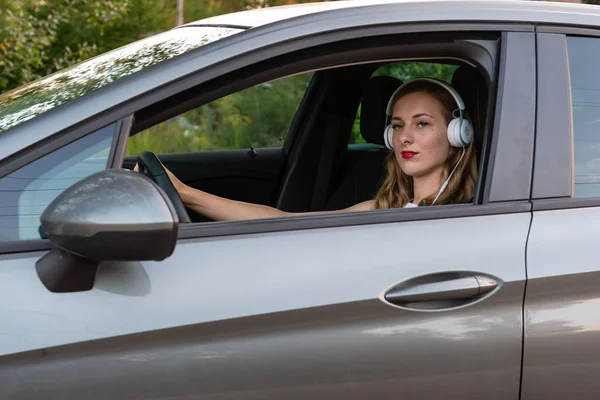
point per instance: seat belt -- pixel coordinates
(326, 162)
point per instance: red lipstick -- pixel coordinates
(409, 154)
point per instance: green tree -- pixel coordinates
(37, 37)
(199, 9)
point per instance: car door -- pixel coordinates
(415, 303)
(561, 357)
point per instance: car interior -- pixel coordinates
(317, 166)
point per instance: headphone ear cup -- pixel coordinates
(459, 134)
(388, 135)
(466, 132)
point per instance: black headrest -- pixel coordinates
(471, 86)
(375, 95)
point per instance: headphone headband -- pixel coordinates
(450, 89)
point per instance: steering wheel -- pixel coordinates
(151, 167)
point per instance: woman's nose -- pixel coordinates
(405, 135)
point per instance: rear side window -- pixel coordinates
(26, 192)
(584, 59)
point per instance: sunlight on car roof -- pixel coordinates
(37, 97)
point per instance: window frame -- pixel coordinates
(553, 180)
(501, 196)
(508, 188)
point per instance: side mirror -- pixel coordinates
(112, 215)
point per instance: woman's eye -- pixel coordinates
(422, 124)
(397, 126)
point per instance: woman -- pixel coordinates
(432, 161)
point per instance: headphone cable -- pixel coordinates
(447, 180)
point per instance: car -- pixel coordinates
(111, 289)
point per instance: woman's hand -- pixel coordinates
(179, 186)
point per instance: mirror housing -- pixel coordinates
(112, 215)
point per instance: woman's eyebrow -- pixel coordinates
(414, 116)
(422, 114)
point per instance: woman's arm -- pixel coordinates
(221, 209)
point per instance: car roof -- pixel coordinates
(466, 8)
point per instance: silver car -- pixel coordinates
(111, 289)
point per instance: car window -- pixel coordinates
(26, 192)
(404, 71)
(258, 117)
(584, 58)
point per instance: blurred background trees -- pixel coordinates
(38, 37)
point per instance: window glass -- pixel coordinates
(26, 192)
(404, 71)
(584, 58)
(259, 116)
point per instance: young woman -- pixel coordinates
(432, 161)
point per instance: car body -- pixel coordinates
(113, 297)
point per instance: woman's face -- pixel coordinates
(420, 141)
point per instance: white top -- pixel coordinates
(410, 205)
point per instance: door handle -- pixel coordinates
(444, 290)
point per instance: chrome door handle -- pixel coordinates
(441, 290)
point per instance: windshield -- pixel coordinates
(49, 92)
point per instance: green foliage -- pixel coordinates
(39, 37)
(198, 9)
(409, 70)
(258, 116)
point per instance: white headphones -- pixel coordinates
(459, 129)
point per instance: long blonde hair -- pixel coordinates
(397, 188)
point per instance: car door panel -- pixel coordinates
(292, 314)
(562, 328)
